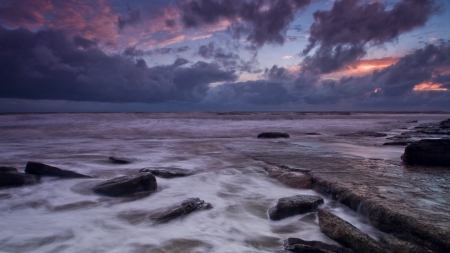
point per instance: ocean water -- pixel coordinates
(64, 215)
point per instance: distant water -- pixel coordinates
(65, 216)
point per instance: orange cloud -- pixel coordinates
(429, 86)
(364, 67)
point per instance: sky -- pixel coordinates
(224, 55)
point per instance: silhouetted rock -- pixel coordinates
(364, 134)
(302, 246)
(294, 205)
(11, 177)
(273, 135)
(428, 152)
(186, 207)
(47, 170)
(312, 134)
(168, 172)
(119, 160)
(396, 143)
(347, 234)
(126, 185)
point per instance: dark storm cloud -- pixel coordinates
(133, 17)
(343, 32)
(260, 21)
(278, 74)
(46, 65)
(226, 59)
(132, 51)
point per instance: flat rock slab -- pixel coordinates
(271, 135)
(294, 205)
(293, 179)
(301, 246)
(47, 170)
(347, 234)
(364, 134)
(168, 172)
(186, 207)
(11, 177)
(127, 185)
(434, 152)
(119, 160)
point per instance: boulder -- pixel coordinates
(347, 234)
(119, 160)
(186, 207)
(11, 177)
(47, 170)
(428, 152)
(273, 135)
(126, 185)
(301, 246)
(294, 205)
(445, 124)
(294, 179)
(168, 172)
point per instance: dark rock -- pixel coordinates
(47, 170)
(126, 185)
(273, 135)
(10, 177)
(412, 121)
(299, 245)
(289, 178)
(312, 134)
(118, 160)
(396, 143)
(428, 152)
(168, 172)
(445, 124)
(7, 169)
(294, 205)
(399, 246)
(186, 207)
(346, 234)
(364, 134)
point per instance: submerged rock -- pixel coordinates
(347, 234)
(47, 170)
(186, 207)
(273, 135)
(428, 152)
(11, 177)
(294, 205)
(126, 185)
(119, 160)
(168, 172)
(364, 134)
(302, 246)
(312, 134)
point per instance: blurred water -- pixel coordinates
(65, 216)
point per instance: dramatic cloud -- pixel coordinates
(227, 60)
(134, 16)
(132, 51)
(46, 65)
(343, 32)
(261, 21)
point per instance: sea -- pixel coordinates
(64, 215)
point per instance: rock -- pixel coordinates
(289, 178)
(186, 207)
(300, 246)
(273, 135)
(294, 205)
(11, 177)
(118, 160)
(346, 234)
(312, 134)
(428, 152)
(445, 124)
(412, 121)
(47, 170)
(399, 246)
(364, 134)
(168, 172)
(126, 185)
(396, 143)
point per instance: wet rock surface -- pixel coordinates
(293, 179)
(47, 170)
(186, 207)
(434, 152)
(425, 131)
(11, 177)
(399, 246)
(127, 185)
(301, 246)
(168, 172)
(119, 160)
(294, 205)
(346, 234)
(271, 135)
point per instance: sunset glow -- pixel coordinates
(429, 86)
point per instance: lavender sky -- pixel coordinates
(224, 55)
